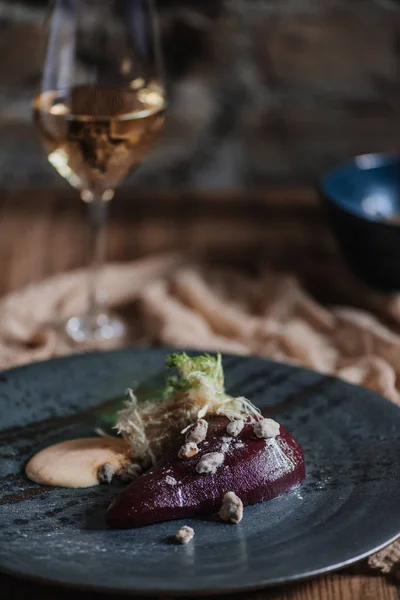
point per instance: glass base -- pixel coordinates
(103, 327)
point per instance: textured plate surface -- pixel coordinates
(348, 506)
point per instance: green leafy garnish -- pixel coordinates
(195, 372)
(195, 391)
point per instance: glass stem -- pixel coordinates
(98, 211)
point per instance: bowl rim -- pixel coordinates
(362, 162)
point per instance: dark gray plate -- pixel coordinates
(347, 508)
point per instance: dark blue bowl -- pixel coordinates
(363, 202)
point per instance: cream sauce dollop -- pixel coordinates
(75, 463)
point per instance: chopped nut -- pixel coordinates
(210, 462)
(170, 480)
(188, 450)
(235, 427)
(131, 471)
(226, 443)
(105, 473)
(145, 462)
(266, 428)
(232, 508)
(197, 433)
(184, 535)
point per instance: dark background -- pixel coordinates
(261, 90)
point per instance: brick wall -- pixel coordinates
(261, 89)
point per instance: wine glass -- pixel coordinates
(100, 108)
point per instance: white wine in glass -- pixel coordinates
(99, 112)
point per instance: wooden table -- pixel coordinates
(42, 233)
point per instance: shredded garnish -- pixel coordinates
(196, 391)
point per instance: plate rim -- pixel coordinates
(199, 593)
(149, 349)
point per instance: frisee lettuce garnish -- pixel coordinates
(195, 372)
(195, 391)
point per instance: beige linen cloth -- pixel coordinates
(178, 302)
